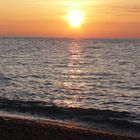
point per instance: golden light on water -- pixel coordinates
(72, 74)
(75, 18)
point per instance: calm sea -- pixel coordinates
(86, 81)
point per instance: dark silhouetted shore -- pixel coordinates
(24, 129)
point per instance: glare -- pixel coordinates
(75, 18)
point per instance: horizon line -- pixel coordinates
(56, 37)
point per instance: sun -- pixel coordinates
(75, 18)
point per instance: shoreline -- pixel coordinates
(12, 128)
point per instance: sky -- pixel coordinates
(48, 18)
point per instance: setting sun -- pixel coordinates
(70, 18)
(75, 18)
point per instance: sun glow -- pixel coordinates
(75, 18)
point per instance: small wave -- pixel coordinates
(87, 116)
(4, 80)
(129, 88)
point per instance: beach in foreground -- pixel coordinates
(24, 129)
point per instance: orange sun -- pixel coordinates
(75, 18)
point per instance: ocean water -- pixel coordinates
(85, 80)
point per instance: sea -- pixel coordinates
(88, 82)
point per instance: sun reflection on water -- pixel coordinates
(75, 55)
(73, 83)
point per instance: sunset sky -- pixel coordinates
(49, 18)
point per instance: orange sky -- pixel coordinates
(102, 18)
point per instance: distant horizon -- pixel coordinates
(49, 37)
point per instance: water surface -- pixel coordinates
(58, 77)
